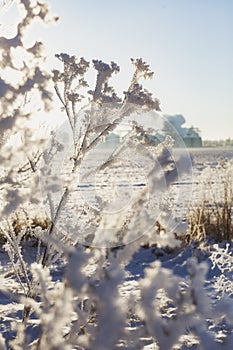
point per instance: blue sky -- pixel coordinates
(188, 44)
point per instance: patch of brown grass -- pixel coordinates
(21, 222)
(212, 217)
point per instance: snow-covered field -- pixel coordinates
(215, 261)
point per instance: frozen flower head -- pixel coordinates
(139, 96)
(105, 68)
(136, 94)
(72, 67)
(142, 69)
(57, 76)
(103, 92)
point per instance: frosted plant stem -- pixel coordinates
(53, 224)
(13, 244)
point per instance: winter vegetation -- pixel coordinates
(211, 214)
(95, 253)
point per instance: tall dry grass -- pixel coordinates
(211, 216)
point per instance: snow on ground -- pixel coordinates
(218, 282)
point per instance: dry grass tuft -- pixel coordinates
(212, 216)
(22, 222)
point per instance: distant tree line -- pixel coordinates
(218, 143)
